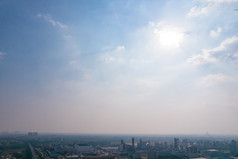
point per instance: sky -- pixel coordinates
(119, 67)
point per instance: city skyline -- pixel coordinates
(119, 67)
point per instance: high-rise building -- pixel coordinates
(176, 143)
(133, 142)
(140, 144)
(233, 147)
(122, 145)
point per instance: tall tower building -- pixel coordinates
(233, 147)
(133, 142)
(122, 145)
(176, 143)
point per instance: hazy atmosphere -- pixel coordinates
(119, 67)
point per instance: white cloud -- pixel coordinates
(48, 18)
(110, 59)
(206, 6)
(228, 44)
(227, 48)
(196, 10)
(222, 1)
(215, 33)
(1, 55)
(114, 59)
(120, 48)
(213, 79)
(201, 59)
(114, 55)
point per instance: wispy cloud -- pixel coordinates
(200, 59)
(197, 10)
(222, 1)
(120, 48)
(204, 7)
(213, 79)
(227, 48)
(53, 22)
(1, 55)
(114, 55)
(215, 33)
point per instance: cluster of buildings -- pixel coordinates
(173, 148)
(178, 148)
(13, 148)
(32, 134)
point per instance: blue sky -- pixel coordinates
(141, 67)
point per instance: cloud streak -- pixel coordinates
(215, 33)
(53, 22)
(114, 55)
(196, 10)
(1, 55)
(226, 49)
(213, 79)
(206, 6)
(222, 1)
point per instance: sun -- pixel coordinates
(170, 37)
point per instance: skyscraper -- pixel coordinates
(176, 143)
(233, 147)
(133, 142)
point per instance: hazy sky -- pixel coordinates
(126, 66)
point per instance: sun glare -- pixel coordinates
(170, 37)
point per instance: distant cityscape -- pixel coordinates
(61, 146)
